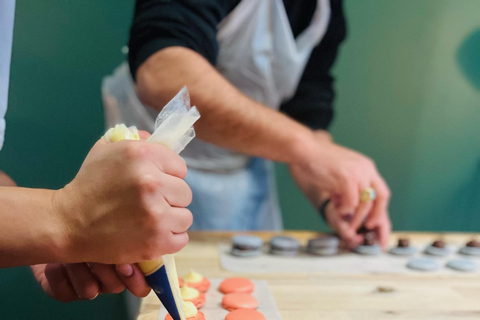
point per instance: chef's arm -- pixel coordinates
(229, 118)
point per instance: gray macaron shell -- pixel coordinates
(423, 264)
(403, 251)
(373, 250)
(470, 251)
(462, 265)
(324, 242)
(283, 245)
(323, 246)
(439, 252)
(255, 243)
(250, 241)
(323, 251)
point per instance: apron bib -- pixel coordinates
(259, 55)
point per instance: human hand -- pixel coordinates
(6, 181)
(85, 281)
(126, 204)
(326, 170)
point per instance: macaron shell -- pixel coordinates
(462, 265)
(439, 252)
(246, 253)
(245, 314)
(200, 286)
(323, 251)
(199, 316)
(423, 264)
(198, 301)
(403, 251)
(234, 301)
(470, 251)
(368, 250)
(236, 285)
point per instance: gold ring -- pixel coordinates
(368, 195)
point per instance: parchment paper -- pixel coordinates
(346, 262)
(213, 305)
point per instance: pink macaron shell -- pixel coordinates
(245, 314)
(198, 301)
(234, 301)
(202, 285)
(199, 316)
(236, 285)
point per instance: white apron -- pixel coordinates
(7, 14)
(259, 55)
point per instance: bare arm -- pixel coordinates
(229, 118)
(31, 231)
(232, 120)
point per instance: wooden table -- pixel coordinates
(316, 296)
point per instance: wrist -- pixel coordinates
(302, 147)
(62, 211)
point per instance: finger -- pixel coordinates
(133, 279)
(176, 243)
(144, 135)
(348, 234)
(341, 226)
(56, 282)
(107, 277)
(176, 191)
(84, 282)
(180, 219)
(383, 231)
(168, 161)
(380, 206)
(361, 214)
(347, 199)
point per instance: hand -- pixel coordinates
(126, 204)
(85, 281)
(326, 170)
(6, 181)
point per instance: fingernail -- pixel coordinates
(95, 296)
(125, 270)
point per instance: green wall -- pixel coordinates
(408, 96)
(408, 88)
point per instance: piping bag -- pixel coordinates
(173, 129)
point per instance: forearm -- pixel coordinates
(31, 231)
(229, 119)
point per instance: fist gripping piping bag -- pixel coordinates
(173, 129)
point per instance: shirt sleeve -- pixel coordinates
(192, 24)
(312, 103)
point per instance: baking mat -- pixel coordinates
(213, 305)
(345, 262)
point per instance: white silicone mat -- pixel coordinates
(213, 305)
(347, 262)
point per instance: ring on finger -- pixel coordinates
(368, 195)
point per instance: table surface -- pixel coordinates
(315, 296)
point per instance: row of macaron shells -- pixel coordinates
(250, 246)
(237, 296)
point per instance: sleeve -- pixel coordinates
(312, 103)
(159, 24)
